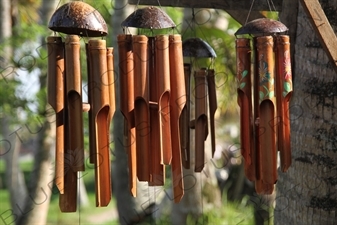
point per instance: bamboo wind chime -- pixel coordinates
(152, 99)
(65, 96)
(264, 108)
(204, 86)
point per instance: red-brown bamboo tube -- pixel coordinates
(126, 75)
(263, 188)
(201, 126)
(157, 176)
(141, 105)
(184, 121)
(267, 157)
(212, 104)
(56, 86)
(68, 198)
(283, 95)
(112, 81)
(243, 64)
(177, 104)
(101, 108)
(163, 74)
(74, 100)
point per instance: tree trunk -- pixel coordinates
(306, 193)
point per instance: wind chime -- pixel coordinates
(204, 91)
(263, 97)
(152, 98)
(77, 19)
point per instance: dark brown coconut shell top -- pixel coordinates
(148, 18)
(198, 48)
(78, 18)
(262, 26)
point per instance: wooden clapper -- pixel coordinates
(65, 96)
(152, 99)
(263, 97)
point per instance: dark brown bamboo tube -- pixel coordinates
(243, 64)
(141, 105)
(126, 75)
(74, 100)
(184, 121)
(91, 114)
(266, 97)
(283, 95)
(56, 86)
(177, 104)
(163, 74)
(157, 176)
(263, 188)
(68, 198)
(212, 105)
(101, 108)
(201, 126)
(111, 78)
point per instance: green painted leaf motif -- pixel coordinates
(244, 73)
(287, 86)
(261, 95)
(285, 94)
(271, 94)
(242, 85)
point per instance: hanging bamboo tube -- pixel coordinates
(184, 121)
(56, 85)
(177, 105)
(283, 95)
(157, 169)
(212, 104)
(266, 152)
(74, 100)
(141, 107)
(101, 109)
(200, 123)
(243, 64)
(126, 75)
(111, 78)
(163, 74)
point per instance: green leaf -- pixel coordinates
(242, 85)
(261, 95)
(271, 94)
(244, 73)
(287, 86)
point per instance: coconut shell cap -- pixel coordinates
(149, 18)
(78, 18)
(198, 48)
(262, 26)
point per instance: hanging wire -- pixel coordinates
(250, 10)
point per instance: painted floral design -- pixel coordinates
(266, 80)
(287, 85)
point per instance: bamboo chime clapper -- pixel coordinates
(264, 112)
(65, 96)
(153, 97)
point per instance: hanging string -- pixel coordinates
(250, 10)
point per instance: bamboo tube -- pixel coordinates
(126, 75)
(212, 104)
(201, 126)
(74, 101)
(141, 107)
(111, 78)
(283, 95)
(177, 104)
(267, 157)
(101, 108)
(184, 121)
(157, 173)
(243, 61)
(163, 74)
(68, 198)
(56, 86)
